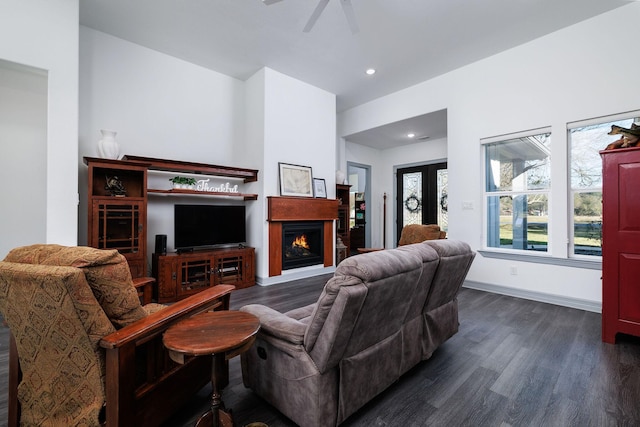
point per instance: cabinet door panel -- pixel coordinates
(194, 275)
(120, 225)
(629, 293)
(628, 197)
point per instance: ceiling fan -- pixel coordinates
(347, 8)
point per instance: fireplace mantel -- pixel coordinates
(283, 209)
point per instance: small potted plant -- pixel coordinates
(183, 183)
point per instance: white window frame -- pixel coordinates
(488, 250)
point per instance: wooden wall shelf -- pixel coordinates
(176, 192)
(248, 175)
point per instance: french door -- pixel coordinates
(421, 196)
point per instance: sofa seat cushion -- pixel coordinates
(106, 271)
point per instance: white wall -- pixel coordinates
(43, 34)
(566, 76)
(299, 128)
(161, 107)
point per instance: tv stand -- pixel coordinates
(186, 273)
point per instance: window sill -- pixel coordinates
(565, 262)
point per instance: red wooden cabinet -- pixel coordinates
(620, 243)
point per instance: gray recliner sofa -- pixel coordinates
(377, 317)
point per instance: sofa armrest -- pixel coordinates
(277, 324)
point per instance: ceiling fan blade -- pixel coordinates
(347, 7)
(268, 2)
(315, 15)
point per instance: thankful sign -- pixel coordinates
(203, 185)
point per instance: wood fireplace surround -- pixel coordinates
(284, 209)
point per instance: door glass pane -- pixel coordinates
(442, 194)
(412, 198)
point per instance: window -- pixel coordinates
(517, 186)
(586, 139)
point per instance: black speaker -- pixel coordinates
(161, 244)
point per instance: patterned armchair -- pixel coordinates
(416, 233)
(83, 350)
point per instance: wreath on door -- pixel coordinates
(412, 203)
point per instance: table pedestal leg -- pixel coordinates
(217, 416)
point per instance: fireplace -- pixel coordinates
(302, 244)
(283, 210)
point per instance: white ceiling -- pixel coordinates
(406, 41)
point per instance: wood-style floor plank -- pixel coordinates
(513, 363)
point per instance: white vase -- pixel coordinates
(108, 147)
(340, 177)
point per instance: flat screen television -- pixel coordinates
(208, 226)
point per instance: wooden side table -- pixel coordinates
(222, 334)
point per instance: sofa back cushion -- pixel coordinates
(106, 271)
(430, 260)
(365, 303)
(455, 260)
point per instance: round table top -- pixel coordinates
(212, 332)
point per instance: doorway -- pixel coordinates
(359, 177)
(421, 196)
(23, 155)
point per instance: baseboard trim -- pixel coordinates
(295, 274)
(577, 303)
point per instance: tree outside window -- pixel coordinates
(585, 164)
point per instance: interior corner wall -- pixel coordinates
(299, 128)
(43, 34)
(254, 150)
(566, 76)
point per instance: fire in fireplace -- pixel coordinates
(302, 244)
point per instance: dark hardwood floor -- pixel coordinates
(514, 362)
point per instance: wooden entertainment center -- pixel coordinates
(181, 275)
(117, 219)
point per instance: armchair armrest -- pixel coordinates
(216, 297)
(144, 287)
(150, 395)
(277, 324)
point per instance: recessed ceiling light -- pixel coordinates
(370, 71)
(411, 135)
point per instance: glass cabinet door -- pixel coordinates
(119, 227)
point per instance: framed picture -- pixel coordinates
(319, 188)
(295, 180)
